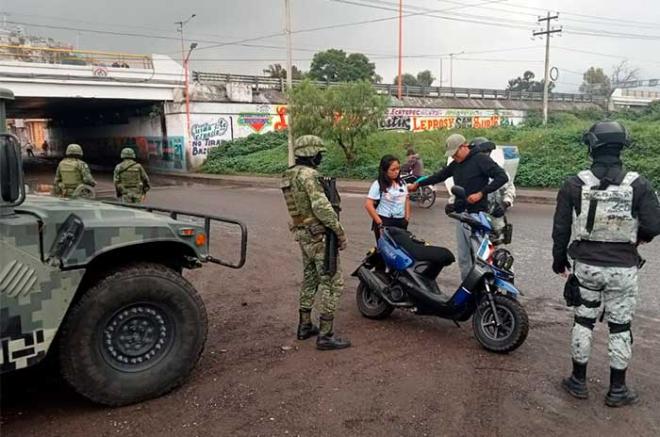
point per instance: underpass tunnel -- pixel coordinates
(101, 126)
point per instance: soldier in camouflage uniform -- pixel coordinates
(311, 213)
(607, 212)
(131, 181)
(72, 172)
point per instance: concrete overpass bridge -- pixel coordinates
(106, 101)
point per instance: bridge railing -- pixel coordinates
(262, 82)
(63, 56)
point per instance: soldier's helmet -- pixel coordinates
(74, 150)
(308, 146)
(127, 153)
(606, 133)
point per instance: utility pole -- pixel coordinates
(547, 32)
(440, 79)
(399, 82)
(451, 68)
(289, 73)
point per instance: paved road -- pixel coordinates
(406, 375)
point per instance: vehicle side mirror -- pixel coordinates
(12, 191)
(458, 191)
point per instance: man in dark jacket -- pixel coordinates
(608, 212)
(479, 175)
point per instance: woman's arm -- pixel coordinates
(408, 210)
(370, 206)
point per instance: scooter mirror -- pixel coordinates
(458, 191)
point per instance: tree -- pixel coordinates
(623, 72)
(334, 65)
(407, 80)
(527, 83)
(425, 78)
(279, 72)
(595, 81)
(346, 113)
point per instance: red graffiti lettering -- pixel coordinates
(281, 124)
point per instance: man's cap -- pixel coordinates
(454, 141)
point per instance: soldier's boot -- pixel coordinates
(306, 328)
(576, 384)
(619, 394)
(326, 341)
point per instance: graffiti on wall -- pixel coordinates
(423, 119)
(166, 153)
(281, 123)
(156, 152)
(257, 120)
(209, 134)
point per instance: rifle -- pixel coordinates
(331, 248)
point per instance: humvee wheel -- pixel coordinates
(135, 335)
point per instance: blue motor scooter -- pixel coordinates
(401, 273)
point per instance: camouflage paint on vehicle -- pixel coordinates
(36, 292)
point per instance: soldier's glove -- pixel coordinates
(560, 265)
(343, 241)
(449, 208)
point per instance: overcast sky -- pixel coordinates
(433, 29)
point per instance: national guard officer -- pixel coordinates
(609, 212)
(311, 214)
(131, 181)
(72, 173)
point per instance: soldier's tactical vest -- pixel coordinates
(130, 176)
(70, 172)
(606, 214)
(297, 200)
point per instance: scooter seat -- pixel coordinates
(436, 255)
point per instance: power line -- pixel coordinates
(614, 19)
(607, 55)
(593, 19)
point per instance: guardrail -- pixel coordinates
(261, 82)
(63, 56)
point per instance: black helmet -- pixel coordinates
(606, 133)
(483, 144)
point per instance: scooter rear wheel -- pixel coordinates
(514, 324)
(370, 304)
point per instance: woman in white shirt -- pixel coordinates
(387, 202)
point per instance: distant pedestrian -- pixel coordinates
(30, 150)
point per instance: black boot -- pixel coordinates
(326, 341)
(619, 394)
(305, 327)
(576, 384)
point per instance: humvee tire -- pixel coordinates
(134, 335)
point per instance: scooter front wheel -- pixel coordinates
(426, 197)
(513, 328)
(370, 304)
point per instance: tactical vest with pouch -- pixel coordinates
(129, 176)
(70, 173)
(606, 212)
(298, 204)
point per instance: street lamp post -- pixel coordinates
(451, 68)
(186, 61)
(185, 58)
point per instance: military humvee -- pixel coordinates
(99, 285)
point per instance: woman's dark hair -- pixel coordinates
(385, 163)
